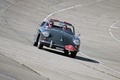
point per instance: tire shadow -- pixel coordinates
(77, 57)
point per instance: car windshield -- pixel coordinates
(59, 24)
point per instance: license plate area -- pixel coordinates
(58, 48)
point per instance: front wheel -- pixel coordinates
(73, 54)
(66, 52)
(40, 45)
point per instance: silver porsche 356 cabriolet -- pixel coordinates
(57, 35)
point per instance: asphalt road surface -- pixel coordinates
(98, 22)
(12, 70)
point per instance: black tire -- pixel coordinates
(73, 54)
(66, 52)
(36, 41)
(35, 44)
(40, 45)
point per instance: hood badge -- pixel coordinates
(61, 39)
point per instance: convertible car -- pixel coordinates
(57, 38)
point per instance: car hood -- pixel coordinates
(61, 37)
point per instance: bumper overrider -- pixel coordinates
(51, 44)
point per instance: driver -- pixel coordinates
(50, 24)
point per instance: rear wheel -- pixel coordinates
(34, 43)
(73, 54)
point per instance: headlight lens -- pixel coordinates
(76, 42)
(46, 34)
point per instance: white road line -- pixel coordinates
(61, 11)
(81, 52)
(4, 9)
(113, 26)
(1, 12)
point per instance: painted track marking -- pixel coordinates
(110, 31)
(61, 11)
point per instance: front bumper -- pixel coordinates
(51, 44)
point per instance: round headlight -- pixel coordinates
(76, 42)
(46, 34)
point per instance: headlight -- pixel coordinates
(76, 42)
(46, 34)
